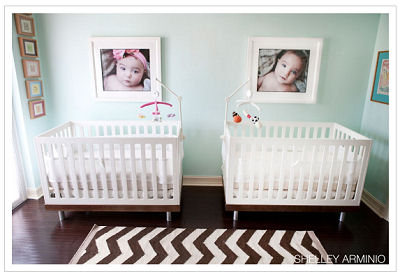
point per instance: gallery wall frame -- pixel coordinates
(25, 25)
(380, 87)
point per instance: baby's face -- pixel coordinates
(129, 71)
(288, 68)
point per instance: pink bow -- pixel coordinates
(119, 54)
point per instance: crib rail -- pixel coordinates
(110, 163)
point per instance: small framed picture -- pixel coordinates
(36, 108)
(25, 25)
(380, 88)
(27, 47)
(31, 68)
(126, 68)
(34, 89)
(284, 70)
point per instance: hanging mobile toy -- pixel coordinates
(253, 119)
(236, 117)
(156, 113)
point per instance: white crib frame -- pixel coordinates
(84, 135)
(76, 134)
(338, 136)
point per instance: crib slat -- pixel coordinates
(64, 180)
(242, 171)
(282, 173)
(321, 173)
(83, 172)
(307, 133)
(72, 173)
(301, 178)
(113, 172)
(271, 173)
(354, 167)
(291, 132)
(123, 172)
(323, 133)
(103, 174)
(331, 170)
(291, 175)
(154, 170)
(311, 176)
(252, 168)
(133, 171)
(144, 171)
(93, 177)
(262, 172)
(52, 165)
(341, 173)
(164, 175)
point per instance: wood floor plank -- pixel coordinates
(39, 237)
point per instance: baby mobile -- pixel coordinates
(254, 119)
(156, 113)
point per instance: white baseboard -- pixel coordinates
(34, 193)
(375, 205)
(193, 180)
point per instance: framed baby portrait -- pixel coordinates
(24, 25)
(36, 108)
(284, 70)
(125, 68)
(34, 89)
(380, 88)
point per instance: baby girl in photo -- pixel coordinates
(131, 71)
(289, 67)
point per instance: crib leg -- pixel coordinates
(235, 215)
(169, 216)
(61, 215)
(342, 216)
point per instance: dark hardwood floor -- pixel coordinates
(39, 237)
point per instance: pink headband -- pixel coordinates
(119, 54)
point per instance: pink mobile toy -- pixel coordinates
(156, 112)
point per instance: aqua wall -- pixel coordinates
(375, 125)
(204, 60)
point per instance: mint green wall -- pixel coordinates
(375, 125)
(30, 127)
(204, 60)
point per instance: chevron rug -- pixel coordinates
(146, 245)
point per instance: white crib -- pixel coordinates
(112, 166)
(292, 166)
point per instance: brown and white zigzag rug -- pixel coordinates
(146, 245)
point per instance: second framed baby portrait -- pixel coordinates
(125, 68)
(284, 70)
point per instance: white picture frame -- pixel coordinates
(104, 61)
(264, 54)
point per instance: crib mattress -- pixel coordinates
(102, 165)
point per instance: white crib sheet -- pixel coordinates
(56, 168)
